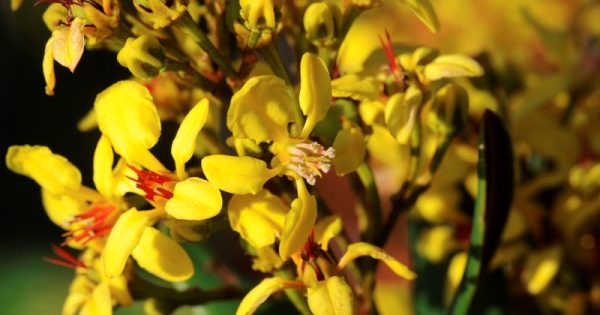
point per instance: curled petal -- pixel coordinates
(48, 67)
(450, 66)
(365, 249)
(326, 229)
(99, 303)
(350, 148)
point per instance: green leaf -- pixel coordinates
(494, 196)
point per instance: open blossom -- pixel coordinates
(261, 111)
(129, 120)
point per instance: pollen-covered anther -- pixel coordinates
(309, 160)
(151, 183)
(94, 223)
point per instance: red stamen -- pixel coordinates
(151, 183)
(94, 223)
(68, 260)
(388, 49)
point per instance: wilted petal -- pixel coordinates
(261, 110)
(69, 43)
(315, 91)
(194, 199)
(184, 143)
(162, 256)
(365, 249)
(258, 218)
(237, 175)
(52, 172)
(331, 297)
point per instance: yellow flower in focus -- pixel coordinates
(87, 214)
(129, 120)
(261, 111)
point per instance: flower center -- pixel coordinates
(309, 159)
(94, 223)
(152, 184)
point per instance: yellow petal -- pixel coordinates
(350, 147)
(194, 199)
(315, 91)
(425, 12)
(436, 243)
(119, 290)
(68, 44)
(99, 303)
(540, 269)
(60, 208)
(456, 269)
(79, 290)
(128, 118)
(237, 175)
(298, 222)
(184, 143)
(372, 112)
(259, 294)
(356, 88)
(331, 297)
(451, 66)
(15, 4)
(401, 113)
(103, 161)
(123, 238)
(48, 67)
(258, 218)
(261, 110)
(365, 249)
(163, 257)
(88, 122)
(52, 172)
(384, 148)
(326, 229)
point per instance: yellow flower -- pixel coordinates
(91, 292)
(129, 120)
(261, 111)
(87, 214)
(327, 291)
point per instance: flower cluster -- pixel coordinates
(269, 146)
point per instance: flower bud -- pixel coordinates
(143, 56)
(322, 23)
(260, 19)
(160, 13)
(449, 110)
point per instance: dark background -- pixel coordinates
(29, 116)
